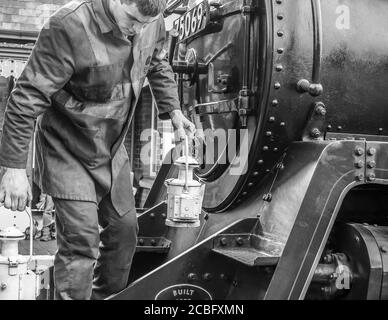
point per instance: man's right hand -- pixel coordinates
(15, 190)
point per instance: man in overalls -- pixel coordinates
(85, 76)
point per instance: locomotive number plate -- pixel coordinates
(193, 21)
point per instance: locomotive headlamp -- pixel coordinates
(184, 194)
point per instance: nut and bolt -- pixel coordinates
(371, 177)
(359, 151)
(320, 109)
(359, 177)
(315, 133)
(371, 164)
(359, 164)
(371, 151)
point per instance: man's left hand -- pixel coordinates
(183, 125)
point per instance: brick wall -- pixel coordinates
(27, 15)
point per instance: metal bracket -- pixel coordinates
(314, 129)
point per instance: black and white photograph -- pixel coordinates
(220, 152)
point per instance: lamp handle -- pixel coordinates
(187, 164)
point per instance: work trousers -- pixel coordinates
(92, 262)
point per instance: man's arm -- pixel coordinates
(164, 88)
(48, 69)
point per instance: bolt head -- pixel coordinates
(359, 164)
(371, 177)
(359, 177)
(315, 133)
(359, 151)
(371, 164)
(320, 110)
(371, 151)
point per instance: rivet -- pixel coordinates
(164, 216)
(384, 249)
(244, 193)
(329, 127)
(271, 119)
(371, 151)
(359, 164)
(153, 242)
(268, 133)
(282, 124)
(277, 85)
(265, 148)
(223, 276)
(279, 68)
(3, 286)
(152, 215)
(381, 130)
(192, 277)
(280, 16)
(280, 50)
(260, 162)
(371, 164)
(223, 241)
(141, 242)
(339, 128)
(240, 241)
(250, 184)
(359, 151)
(275, 149)
(207, 276)
(256, 173)
(275, 103)
(267, 170)
(279, 1)
(280, 33)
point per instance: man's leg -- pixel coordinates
(77, 239)
(117, 247)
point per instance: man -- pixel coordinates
(85, 75)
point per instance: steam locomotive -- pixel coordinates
(302, 85)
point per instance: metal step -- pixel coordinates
(153, 244)
(248, 249)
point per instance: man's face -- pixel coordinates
(128, 18)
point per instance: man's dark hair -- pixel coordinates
(149, 8)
